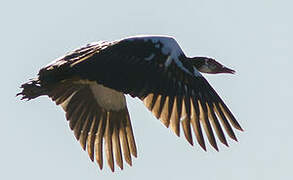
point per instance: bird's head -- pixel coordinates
(209, 65)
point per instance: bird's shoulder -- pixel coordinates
(143, 47)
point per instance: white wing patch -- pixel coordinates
(169, 47)
(107, 98)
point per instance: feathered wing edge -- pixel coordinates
(92, 125)
(206, 112)
(31, 90)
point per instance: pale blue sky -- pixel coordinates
(253, 37)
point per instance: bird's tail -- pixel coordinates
(32, 89)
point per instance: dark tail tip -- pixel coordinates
(31, 90)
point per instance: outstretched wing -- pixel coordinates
(96, 120)
(155, 69)
(98, 115)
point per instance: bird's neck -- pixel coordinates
(198, 62)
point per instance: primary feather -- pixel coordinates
(90, 82)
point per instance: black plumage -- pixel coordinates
(90, 83)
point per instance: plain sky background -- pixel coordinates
(253, 37)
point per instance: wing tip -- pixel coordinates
(240, 128)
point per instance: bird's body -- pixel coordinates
(90, 82)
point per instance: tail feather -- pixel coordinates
(31, 90)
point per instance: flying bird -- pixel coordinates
(90, 84)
